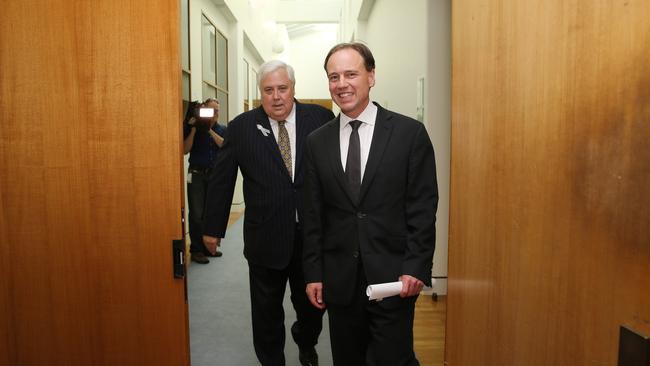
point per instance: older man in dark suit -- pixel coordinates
(370, 207)
(267, 144)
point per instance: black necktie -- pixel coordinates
(353, 163)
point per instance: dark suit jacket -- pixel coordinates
(271, 197)
(392, 227)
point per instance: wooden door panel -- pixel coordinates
(550, 217)
(91, 184)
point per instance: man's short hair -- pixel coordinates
(364, 51)
(272, 65)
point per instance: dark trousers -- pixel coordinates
(267, 288)
(372, 333)
(196, 194)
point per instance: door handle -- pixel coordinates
(178, 257)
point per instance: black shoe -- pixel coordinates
(199, 257)
(308, 357)
(215, 255)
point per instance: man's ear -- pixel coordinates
(371, 78)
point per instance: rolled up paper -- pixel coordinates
(381, 290)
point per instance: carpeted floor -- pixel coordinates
(220, 322)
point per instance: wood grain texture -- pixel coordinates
(550, 202)
(91, 184)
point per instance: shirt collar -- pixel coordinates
(291, 118)
(369, 115)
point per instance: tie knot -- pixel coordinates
(355, 124)
(281, 123)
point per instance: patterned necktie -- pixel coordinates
(353, 162)
(285, 146)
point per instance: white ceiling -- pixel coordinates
(300, 29)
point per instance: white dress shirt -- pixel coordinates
(291, 130)
(366, 129)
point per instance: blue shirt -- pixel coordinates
(204, 150)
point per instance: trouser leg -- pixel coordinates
(196, 192)
(390, 324)
(267, 288)
(372, 333)
(309, 319)
(349, 328)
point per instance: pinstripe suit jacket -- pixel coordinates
(271, 197)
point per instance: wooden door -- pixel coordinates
(549, 248)
(90, 183)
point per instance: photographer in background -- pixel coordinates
(203, 137)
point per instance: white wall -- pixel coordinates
(307, 54)
(396, 34)
(438, 118)
(409, 42)
(254, 64)
(256, 18)
(349, 18)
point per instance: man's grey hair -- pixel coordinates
(270, 66)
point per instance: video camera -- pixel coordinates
(198, 116)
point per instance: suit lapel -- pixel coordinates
(269, 140)
(335, 158)
(302, 128)
(380, 138)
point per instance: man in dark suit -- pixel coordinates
(370, 201)
(267, 145)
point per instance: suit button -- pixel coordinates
(355, 254)
(361, 215)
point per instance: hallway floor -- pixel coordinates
(219, 306)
